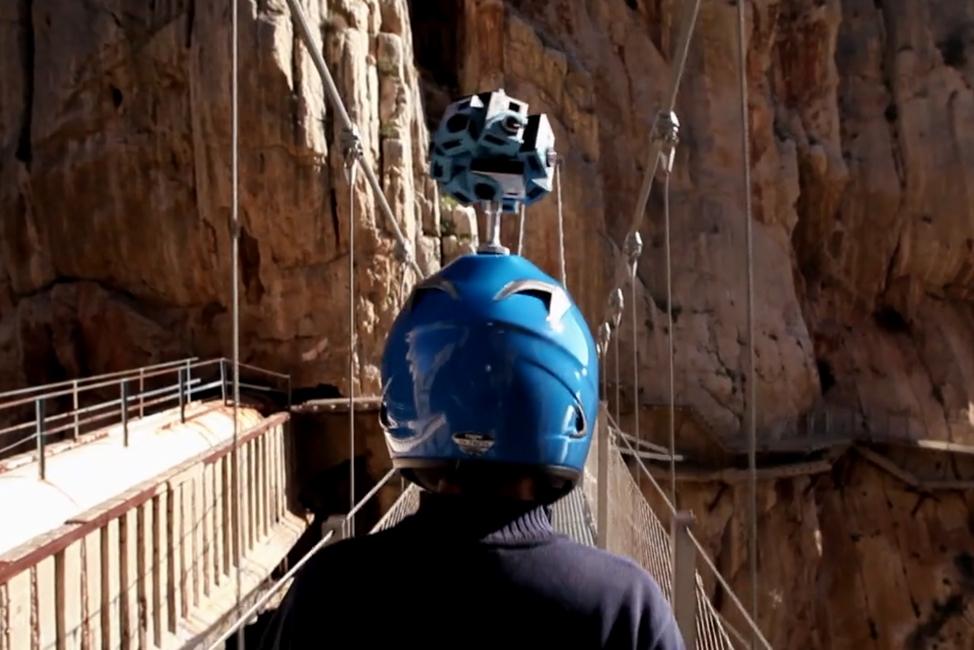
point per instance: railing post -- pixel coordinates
(125, 412)
(684, 577)
(74, 404)
(223, 380)
(289, 402)
(189, 382)
(182, 395)
(141, 392)
(602, 477)
(39, 421)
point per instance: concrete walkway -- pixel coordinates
(86, 475)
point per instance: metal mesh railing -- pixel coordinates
(405, 505)
(635, 531)
(655, 546)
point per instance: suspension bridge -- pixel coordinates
(134, 507)
(157, 507)
(143, 521)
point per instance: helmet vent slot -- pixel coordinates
(418, 295)
(580, 425)
(540, 294)
(553, 296)
(426, 289)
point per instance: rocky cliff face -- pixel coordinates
(115, 246)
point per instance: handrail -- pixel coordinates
(142, 376)
(830, 425)
(28, 554)
(701, 551)
(192, 377)
(107, 375)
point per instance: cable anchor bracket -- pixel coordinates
(666, 131)
(617, 304)
(352, 152)
(604, 338)
(633, 248)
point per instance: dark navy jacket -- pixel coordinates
(464, 574)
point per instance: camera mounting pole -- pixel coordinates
(492, 243)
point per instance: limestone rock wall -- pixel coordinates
(115, 244)
(861, 271)
(859, 253)
(115, 158)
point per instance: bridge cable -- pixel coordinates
(404, 251)
(656, 149)
(235, 281)
(520, 230)
(633, 251)
(353, 153)
(351, 156)
(663, 139)
(662, 135)
(561, 227)
(671, 424)
(750, 391)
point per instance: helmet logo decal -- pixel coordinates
(474, 444)
(553, 295)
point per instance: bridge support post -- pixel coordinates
(125, 412)
(684, 576)
(223, 381)
(74, 404)
(40, 432)
(602, 478)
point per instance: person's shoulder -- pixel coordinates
(337, 579)
(630, 600)
(614, 568)
(348, 554)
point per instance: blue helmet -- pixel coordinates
(490, 363)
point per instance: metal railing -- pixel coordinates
(631, 527)
(83, 406)
(829, 424)
(157, 565)
(839, 422)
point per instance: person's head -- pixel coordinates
(490, 382)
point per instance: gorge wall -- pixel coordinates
(115, 243)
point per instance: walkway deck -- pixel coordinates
(98, 467)
(138, 546)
